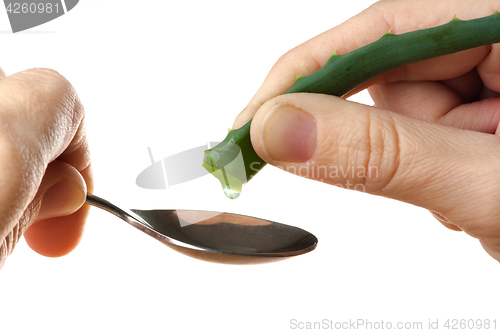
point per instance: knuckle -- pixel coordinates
(45, 75)
(44, 82)
(51, 87)
(47, 85)
(40, 112)
(383, 156)
(42, 93)
(43, 101)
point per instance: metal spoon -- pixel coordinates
(216, 237)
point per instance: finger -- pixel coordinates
(41, 107)
(482, 116)
(59, 234)
(435, 102)
(61, 193)
(466, 86)
(427, 101)
(40, 118)
(446, 170)
(489, 69)
(443, 102)
(486, 93)
(367, 27)
(2, 74)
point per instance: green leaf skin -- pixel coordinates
(343, 73)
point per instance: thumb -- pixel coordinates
(449, 171)
(62, 191)
(60, 197)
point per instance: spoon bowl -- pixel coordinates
(214, 236)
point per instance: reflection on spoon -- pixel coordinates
(187, 217)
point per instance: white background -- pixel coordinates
(172, 76)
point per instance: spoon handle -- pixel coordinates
(96, 201)
(128, 217)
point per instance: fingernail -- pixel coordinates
(62, 199)
(289, 134)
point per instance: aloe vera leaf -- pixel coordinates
(343, 73)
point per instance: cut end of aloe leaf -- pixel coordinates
(230, 171)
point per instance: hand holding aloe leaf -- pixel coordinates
(430, 139)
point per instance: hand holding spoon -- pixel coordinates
(216, 237)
